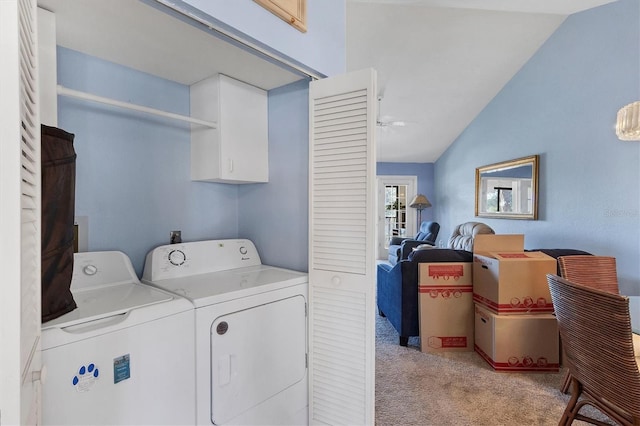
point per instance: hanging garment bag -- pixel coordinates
(58, 211)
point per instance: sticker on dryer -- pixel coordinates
(121, 368)
(86, 377)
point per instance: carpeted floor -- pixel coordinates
(457, 388)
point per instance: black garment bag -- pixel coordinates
(58, 213)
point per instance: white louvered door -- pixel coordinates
(342, 209)
(19, 215)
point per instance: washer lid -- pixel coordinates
(94, 304)
(217, 287)
(105, 285)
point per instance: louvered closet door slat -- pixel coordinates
(21, 282)
(341, 249)
(340, 382)
(30, 178)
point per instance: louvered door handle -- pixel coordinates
(336, 281)
(40, 375)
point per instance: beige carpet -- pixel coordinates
(458, 388)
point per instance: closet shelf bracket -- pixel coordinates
(64, 91)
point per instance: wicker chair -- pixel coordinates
(595, 328)
(593, 271)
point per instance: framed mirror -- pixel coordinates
(508, 190)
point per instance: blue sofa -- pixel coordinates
(397, 288)
(397, 285)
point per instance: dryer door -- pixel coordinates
(256, 353)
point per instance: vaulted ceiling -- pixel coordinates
(440, 62)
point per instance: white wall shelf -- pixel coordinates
(64, 91)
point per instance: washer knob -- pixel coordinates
(243, 250)
(90, 270)
(177, 257)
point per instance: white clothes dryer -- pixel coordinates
(124, 356)
(251, 330)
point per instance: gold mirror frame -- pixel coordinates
(508, 190)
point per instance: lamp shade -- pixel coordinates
(420, 202)
(628, 122)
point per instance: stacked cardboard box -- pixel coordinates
(446, 306)
(515, 329)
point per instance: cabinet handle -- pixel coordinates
(230, 164)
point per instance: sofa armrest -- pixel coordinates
(555, 253)
(396, 241)
(441, 255)
(397, 296)
(407, 247)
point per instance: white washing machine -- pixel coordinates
(251, 330)
(125, 355)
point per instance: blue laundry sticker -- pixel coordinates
(85, 378)
(121, 368)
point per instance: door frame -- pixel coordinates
(412, 188)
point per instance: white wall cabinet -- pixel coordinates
(237, 150)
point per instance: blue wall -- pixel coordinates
(562, 105)
(275, 215)
(424, 173)
(132, 169)
(133, 179)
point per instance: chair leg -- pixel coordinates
(573, 407)
(404, 340)
(564, 388)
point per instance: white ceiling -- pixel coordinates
(131, 33)
(440, 62)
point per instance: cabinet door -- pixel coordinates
(244, 151)
(342, 192)
(292, 11)
(19, 215)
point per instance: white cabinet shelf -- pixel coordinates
(237, 150)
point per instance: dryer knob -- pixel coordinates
(177, 257)
(243, 250)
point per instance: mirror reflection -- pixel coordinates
(508, 189)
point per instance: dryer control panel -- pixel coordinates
(199, 257)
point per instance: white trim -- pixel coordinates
(412, 187)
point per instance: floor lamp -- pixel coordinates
(420, 202)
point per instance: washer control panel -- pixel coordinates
(200, 257)
(101, 268)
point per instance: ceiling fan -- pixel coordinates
(383, 122)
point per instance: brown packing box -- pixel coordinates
(509, 280)
(446, 306)
(517, 342)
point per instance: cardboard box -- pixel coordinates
(508, 280)
(446, 306)
(517, 342)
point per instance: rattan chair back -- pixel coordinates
(595, 328)
(592, 271)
